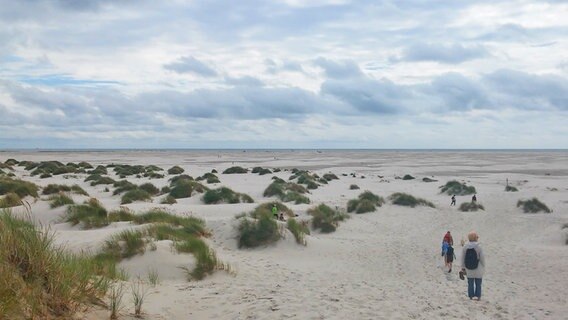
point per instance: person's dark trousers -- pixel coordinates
(471, 290)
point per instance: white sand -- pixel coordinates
(381, 265)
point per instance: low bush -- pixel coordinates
(10, 200)
(168, 200)
(126, 244)
(102, 180)
(509, 188)
(235, 170)
(100, 170)
(255, 232)
(354, 187)
(123, 170)
(85, 165)
(261, 171)
(123, 186)
(176, 170)
(408, 177)
(59, 200)
(325, 218)
(206, 259)
(457, 188)
(39, 280)
(91, 214)
(299, 230)
(471, 206)
(78, 190)
(186, 188)
(150, 188)
(292, 196)
(181, 178)
(533, 206)
(135, 195)
(404, 199)
(426, 179)
(225, 195)
(366, 202)
(122, 214)
(19, 187)
(55, 188)
(266, 208)
(11, 162)
(209, 177)
(330, 176)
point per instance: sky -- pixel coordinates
(284, 74)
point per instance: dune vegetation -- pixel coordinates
(59, 200)
(287, 191)
(365, 202)
(235, 170)
(471, 206)
(9, 200)
(20, 187)
(533, 206)
(225, 195)
(404, 199)
(176, 170)
(457, 188)
(509, 188)
(326, 219)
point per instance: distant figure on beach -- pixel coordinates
(453, 200)
(281, 217)
(275, 211)
(445, 246)
(449, 257)
(473, 265)
(474, 199)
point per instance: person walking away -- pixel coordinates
(275, 211)
(474, 198)
(450, 256)
(448, 238)
(473, 265)
(453, 200)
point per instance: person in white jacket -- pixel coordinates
(473, 266)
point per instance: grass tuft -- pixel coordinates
(256, 232)
(533, 206)
(511, 189)
(457, 188)
(19, 187)
(10, 200)
(325, 218)
(176, 170)
(59, 200)
(366, 202)
(471, 206)
(235, 170)
(135, 195)
(225, 195)
(404, 199)
(299, 230)
(91, 214)
(354, 187)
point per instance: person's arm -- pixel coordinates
(481, 257)
(462, 259)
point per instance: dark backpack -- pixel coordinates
(471, 259)
(450, 251)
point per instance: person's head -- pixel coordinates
(472, 236)
(448, 232)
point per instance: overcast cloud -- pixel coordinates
(283, 74)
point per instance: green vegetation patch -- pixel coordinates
(405, 199)
(40, 280)
(9, 200)
(55, 188)
(511, 189)
(533, 206)
(59, 200)
(325, 218)
(471, 206)
(457, 188)
(135, 195)
(408, 177)
(225, 195)
(209, 178)
(261, 171)
(287, 191)
(90, 215)
(354, 187)
(20, 187)
(366, 202)
(299, 230)
(176, 170)
(235, 170)
(256, 232)
(186, 188)
(330, 176)
(426, 179)
(168, 200)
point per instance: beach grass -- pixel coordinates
(235, 170)
(509, 188)
(457, 188)
(135, 195)
(225, 195)
(471, 206)
(176, 170)
(10, 200)
(325, 218)
(299, 230)
(59, 200)
(405, 199)
(256, 232)
(20, 187)
(186, 188)
(90, 214)
(533, 206)
(365, 202)
(39, 280)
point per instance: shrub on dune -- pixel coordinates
(299, 230)
(122, 214)
(186, 188)
(10, 200)
(325, 218)
(408, 177)
(533, 206)
(39, 280)
(168, 200)
(19, 187)
(123, 170)
(123, 186)
(209, 178)
(235, 170)
(225, 195)
(266, 208)
(126, 244)
(55, 188)
(206, 259)
(182, 177)
(366, 202)
(354, 187)
(91, 214)
(102, 180)
(457, 188)
(471, 206)
(274, 189)
(78, 190)
(176, 170)
(100, 170)
(509, 188)
(292, 196)
(59, 200)
(426, 179)
(150, 188)
(256, 232)
(330, 176)
(135, 195)
(404, 199)
(85, 165)
(11, 162)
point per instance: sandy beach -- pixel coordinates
(379, 265)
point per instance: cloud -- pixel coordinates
(339, 69)
(246, 81)
(451, 54)
(191, 65)
(274, 67)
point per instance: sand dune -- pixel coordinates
(380, 265)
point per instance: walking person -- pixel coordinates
(449, 257)
(448, 238)
(453, 200)
(474, 198)
(473, 265)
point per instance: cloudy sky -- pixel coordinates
(283, 74)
